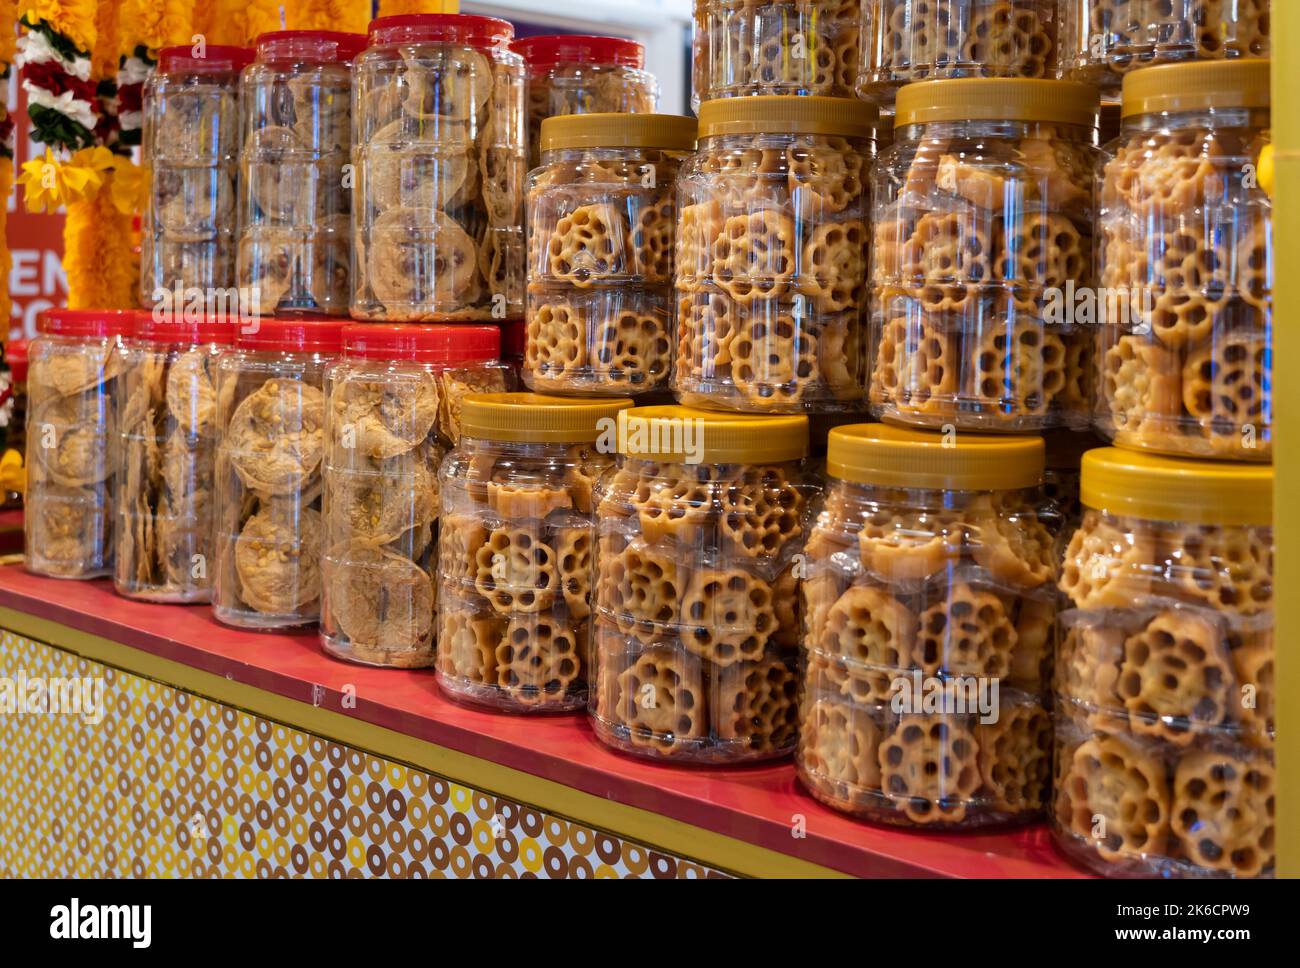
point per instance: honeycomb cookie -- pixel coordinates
(467, 645)
(727, 616)
(659, 699)
(631, 348)
(1046, 251)
(515, 571)
(1256, 700)
(459, 538)
(524, 500)
(839, 746)
(757, 706)
(1176, 679)
(277, 558)
(968, 633)
(678, 503)
(591, 243)
(707, 326)
(827, 177)
(1020, 369)
(754, 257)
(585, 467)
(1015, 757)
(556, 348)
(834, 267)
(1016, 548)
(875, 635)
(383, 602)
(1229, 569)
(538, 660)
(744, 177)
(761, 512)
(1116, 798)
(929, 767)
(1087, 673)
(908, 545)
(774, 360)
(1254, 265)
(379, 417)
(698, 227)
(640, 590)
(276, 436)
(652, 240)
(1223, 812)
(1227, 388)
(1107, 566)
(574, 553)
(1141, 388)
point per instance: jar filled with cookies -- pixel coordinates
(781, 47)
(191, 143)
(439, 154)
(1104, 40)
(700, 527)
(602, 219)
(982, 256)
(295, 201)
(1165, 670)
(516, 550)
(392, 408)
(583, 74)
(929, 614)
(270, 388)
(1186, 246)
(73, 457)
(168, 420)
(771, 264)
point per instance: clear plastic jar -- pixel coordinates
(1103, 40)
(73, 459)
(191, 153)
(439, 156)
(268, 482)
(982, 256)
(392, 408)
(780, 47)
(602, 219)
(771, 267)
(1186, 246)
(583, 74)
(696, 627)
(1165, 670)
(516, 550)
(1065, 450)
(168, 421)
(929, 617)
(295, 203)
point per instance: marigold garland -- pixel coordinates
(97, 254)
(392, 8)
(346, 15)
(73, 19)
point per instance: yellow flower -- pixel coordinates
(129, 186)
(49, 183)
(12, 475)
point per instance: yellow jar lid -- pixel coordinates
(534, 418)
(690, 436)
(670, 132)
(899, 457)
(997, 99)
(775, 114)
(1142, 485)
(1196, 86)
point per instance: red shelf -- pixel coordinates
(755, 805)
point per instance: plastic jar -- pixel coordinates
(168, 420)
(777, 47)
(583, 74)
(602, 220)
(1103, 40)
(295, 203)
(696, 624)
(393, 405)
(516, 550)
(74, 387)
(1165, 676)
(771, 266)
(191, 151)
(1186, 245)
(268, 482)
(439, 155)
(929, 616)
(982, 257)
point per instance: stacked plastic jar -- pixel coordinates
(929, 616)
(602, 220)
(168, 421)
(73, 460)
(771, 268)
(295, 202)
(517, 548)
(191, 147)
(270, 390)
(438, 124)
(1103, 40)
(583, 74)
(1165, 672)
(982, 256)
(696, 623)
(778, 47)
(1186, 234)
(392, 407)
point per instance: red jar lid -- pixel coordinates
(423, 344)
(91, 323)
(216, 59)
(175, 330)
(294, 334)
(310, 46)
(448, 28)
(550, 50)
(16, 357)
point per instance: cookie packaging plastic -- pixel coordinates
(602, 219)
(270, 388)
(438, 148)
(295, 202)
(696, 624)
(392, 407)
(929, 611)
(73, 459)
(191, 145)
(771, 266)
(583, 74)
(517, 548)
(982, 226)
(167, 417)
(1186, 233)
(1164, 673)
